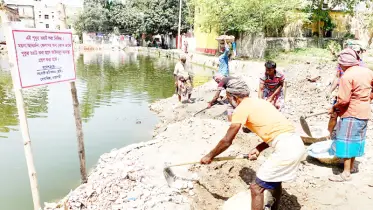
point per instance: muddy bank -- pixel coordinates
(132, 178)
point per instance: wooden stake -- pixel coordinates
(78, 119)
(79, 133)
(27, 147)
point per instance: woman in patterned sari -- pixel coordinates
(271, 85)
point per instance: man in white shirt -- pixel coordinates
(183, 81)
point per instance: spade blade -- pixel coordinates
(305, 126)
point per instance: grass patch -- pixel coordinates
(299, 55)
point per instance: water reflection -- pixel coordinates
(36, 103)
(105, 77)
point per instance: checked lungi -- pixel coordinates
(350, 137)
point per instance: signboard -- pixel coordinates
(41, 57)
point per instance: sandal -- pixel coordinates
(340, 178)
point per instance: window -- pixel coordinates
(46, 25)
(52, 16)
(46, 16)
(40, 16)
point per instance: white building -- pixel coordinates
(44, 14)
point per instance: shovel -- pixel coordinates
(171, 177)
(304, 124)
(204, 109)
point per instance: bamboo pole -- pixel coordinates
(23, 122)
(78, 119)
(27, 147)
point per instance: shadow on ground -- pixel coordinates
(287, 201)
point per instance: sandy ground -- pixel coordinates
(132, 177)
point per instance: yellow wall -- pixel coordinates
(340, 19)
(205, 41)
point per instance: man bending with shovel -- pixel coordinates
(224, 83)
(262, 118)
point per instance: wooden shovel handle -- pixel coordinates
(316, 114)
(215, 160)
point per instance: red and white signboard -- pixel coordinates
(41, 57)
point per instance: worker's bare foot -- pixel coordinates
(340, 178)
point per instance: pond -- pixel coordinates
(115, 89)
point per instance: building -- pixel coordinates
(25, 11)
(44, 14)
(7, 14)
(205, 41)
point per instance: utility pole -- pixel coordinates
(178, 32)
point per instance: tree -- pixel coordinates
(128, 18)
(161, 17)
(133, 17)
(243, 16)
(320, 13)
(94, 18)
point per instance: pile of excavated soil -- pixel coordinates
(132, 177)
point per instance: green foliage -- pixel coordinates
(334, 48)
(161, 16)
(133, 17)
(243, 16)
(94, 18)
(128, 18)
(323, 16)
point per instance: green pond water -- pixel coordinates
(114, 88)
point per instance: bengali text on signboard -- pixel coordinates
(43, 57)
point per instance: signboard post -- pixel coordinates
(37, 58)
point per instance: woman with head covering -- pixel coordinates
(271, 85)
(333, 93)
(183, 80)
(353, 107)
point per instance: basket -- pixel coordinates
(329, 161)
(226, 37)
(311, 140)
